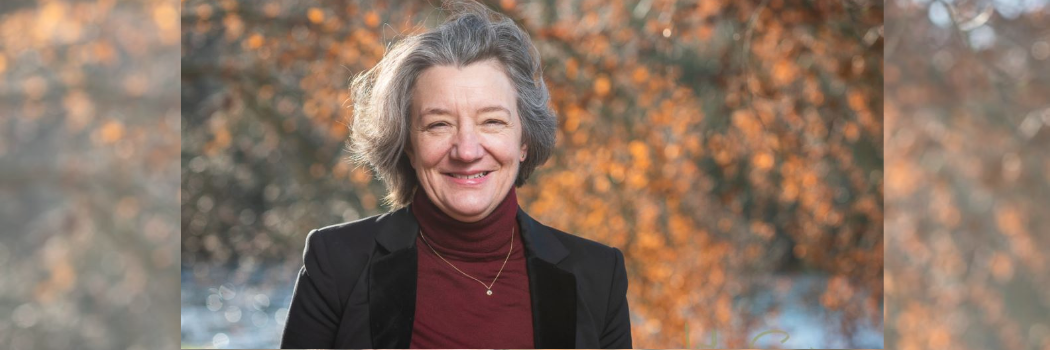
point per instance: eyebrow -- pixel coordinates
(490, 109)
(442, 111)
(438, 111)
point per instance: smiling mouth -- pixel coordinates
(468, 177)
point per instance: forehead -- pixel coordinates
(476, 83)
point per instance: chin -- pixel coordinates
(470, 209)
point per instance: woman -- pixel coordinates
(453, 120)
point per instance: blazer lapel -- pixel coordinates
(392, 282)
(553, 289)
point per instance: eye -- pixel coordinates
(436, 125)
(495, 122)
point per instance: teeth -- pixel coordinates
(470, 177)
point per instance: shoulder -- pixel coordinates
(585, 251)
(354, 236)
(574, 242)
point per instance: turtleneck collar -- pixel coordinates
(484, 240)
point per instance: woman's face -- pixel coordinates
(465, 138)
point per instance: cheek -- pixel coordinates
(417, 153)
(508, 150)
(429, 152)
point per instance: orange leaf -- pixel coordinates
(315, 15)
(602, 86)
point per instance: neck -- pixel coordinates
(483, 240)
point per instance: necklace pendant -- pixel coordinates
(489, 292)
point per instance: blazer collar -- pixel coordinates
(399, 231)
(552, 288)
(540, 240)
(392, 283)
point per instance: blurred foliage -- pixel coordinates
(89, 134)
(968, 129)
(719, 144)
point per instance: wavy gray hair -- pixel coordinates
(382, 96)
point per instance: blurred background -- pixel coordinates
(89, 178)
(967, 140)
(732, 149)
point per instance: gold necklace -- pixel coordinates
(488, 287)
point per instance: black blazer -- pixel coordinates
(357, 288)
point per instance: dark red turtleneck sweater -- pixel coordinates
(452, 310)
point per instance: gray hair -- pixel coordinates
(382, 96)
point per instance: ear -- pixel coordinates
(524, 151)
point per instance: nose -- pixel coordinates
(466, 146)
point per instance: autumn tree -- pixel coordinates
(89, 174)
(968, 127)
